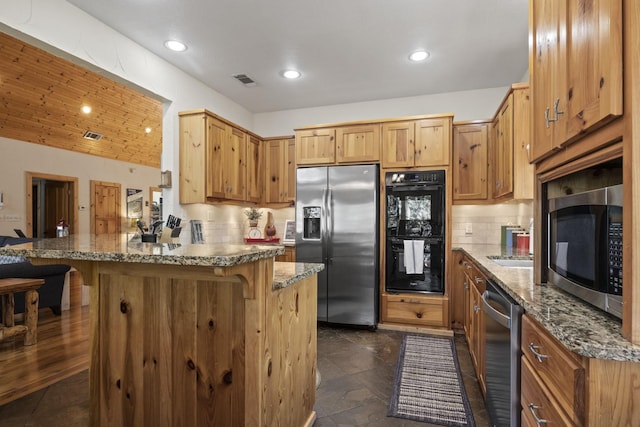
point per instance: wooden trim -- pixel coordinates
(222, 119)
(277, 138)
(73, 210)
(608, 153)
(472, 122)
(415, 329)
(369, 122)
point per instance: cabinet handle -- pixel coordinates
(539, 421)
(479, 280)
(466, 265)
(555, 108)
(466, 285)
(548, 119)
(538, 356)
(476, 308)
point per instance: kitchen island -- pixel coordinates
(193, 335)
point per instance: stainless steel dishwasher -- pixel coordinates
(502, 356)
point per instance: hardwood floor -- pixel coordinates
(62, 351)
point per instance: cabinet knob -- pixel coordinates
(419, 315)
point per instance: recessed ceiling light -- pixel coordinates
(419, 55)
(147, 130)
(175, 45)
(86, 109)
(291, 74)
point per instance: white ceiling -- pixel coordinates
(347, 50)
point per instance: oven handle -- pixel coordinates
(502, 319)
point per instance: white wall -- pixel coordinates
(18, 157)
(465, 105)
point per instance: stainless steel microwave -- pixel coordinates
(585, 246)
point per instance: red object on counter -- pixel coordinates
(523, 241)
(272, 240)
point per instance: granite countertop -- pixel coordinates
(582, 328)
(288, 273)
(120, 248)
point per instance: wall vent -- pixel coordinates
(92, 136)
(244, 79)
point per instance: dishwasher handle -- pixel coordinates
(502, 319)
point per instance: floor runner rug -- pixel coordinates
(428, 384)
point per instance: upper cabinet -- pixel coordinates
(316, 146)
(280, 171)
(419, 143)
(214, 158)
(470, 164)
(358, 144)
(511, 173)
(575, 69)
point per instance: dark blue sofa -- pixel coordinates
(50, 294)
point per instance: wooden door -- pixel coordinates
(503, 150)
(315, 146)
(593, 95)
(215, 164)
(235, 167)
(254, 169)
(433, 138)
(105, 207)
(276, 170)
(291, 171)
(547, 33)
(470, 161)
(358, 144)
(398, 144)
(56, 206)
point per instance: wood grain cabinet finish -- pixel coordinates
(316, 146)
(557, 369)
(288, 256)
(415, 309)
(398, 139)
(213, 160)
(255, 169)
(277, 171)
(502, 152)
(470, 164)
(358, 144)
(576, 69)
(476, 338)
(419, 143)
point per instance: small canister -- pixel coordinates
(523, 242)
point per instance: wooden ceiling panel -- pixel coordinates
(41, 96)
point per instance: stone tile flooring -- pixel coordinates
(356, 366)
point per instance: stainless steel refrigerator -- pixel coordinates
(337, 225)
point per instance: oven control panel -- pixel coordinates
(615, 258)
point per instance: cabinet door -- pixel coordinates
(503, 150)
(358, 144)
(593, 94)
(478, 335)
(193, 155)
(290, 195)
(216, 139)
(547, 33)
(276, 171)
(316, 146)
(254, 169)
(433, 138)
(234, 167)
(398, 144)
(470, 161)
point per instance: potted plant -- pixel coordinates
(253, 214)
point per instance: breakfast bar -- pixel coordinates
(193, 334)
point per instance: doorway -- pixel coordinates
(105, 207)
(50, 198)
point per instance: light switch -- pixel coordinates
(468, 228)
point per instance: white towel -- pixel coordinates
(409, 264)
(418, 255)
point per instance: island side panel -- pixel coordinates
(291, 354)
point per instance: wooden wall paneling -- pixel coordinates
(43, 94)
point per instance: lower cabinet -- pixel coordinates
(416, 309)
(474, 286)
(288, 256)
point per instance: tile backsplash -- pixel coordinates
(481, 223)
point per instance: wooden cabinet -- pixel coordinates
(358, 144)
(575, 71)
(416, 310)
(255, 169)
(419, 143)
(470, 164)
(511, 173)
(213, 159)
(288, 256)
(553, 369)
(475, 283)
(280, 173)
(315, 146)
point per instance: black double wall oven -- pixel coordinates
(415, 231)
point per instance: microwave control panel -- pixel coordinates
(615, 258)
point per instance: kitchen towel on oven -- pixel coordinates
(413, 256)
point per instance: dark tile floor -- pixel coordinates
(357, 369)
